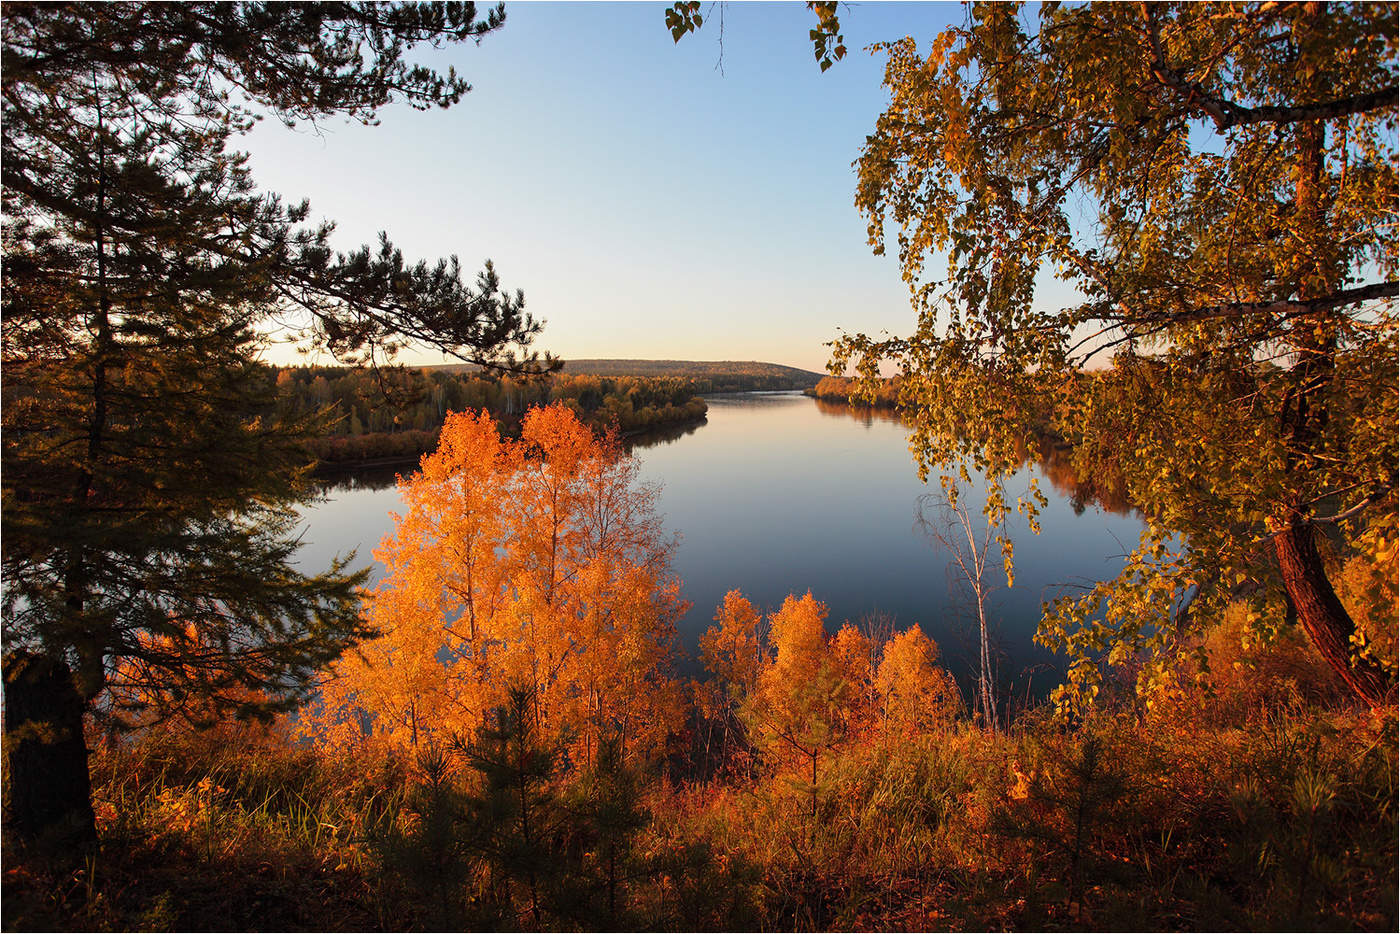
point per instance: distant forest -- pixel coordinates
(706, 376)
(841, 388)
(398, 413)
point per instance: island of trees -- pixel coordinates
(495, 734)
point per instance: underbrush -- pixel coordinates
(1233, 807)
(1288, 824)
(234, 829)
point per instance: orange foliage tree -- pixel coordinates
(801, 693)
(802, 705)
(536, 562)
(915, 694)
(734, 650)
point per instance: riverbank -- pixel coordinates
(843, 389)
(1173, 819)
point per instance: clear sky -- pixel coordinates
(647, 203)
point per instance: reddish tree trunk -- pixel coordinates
(1305, 417)
(1325, 620)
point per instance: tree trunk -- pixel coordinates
(1325, 620)
(47, 795)
(1305, 416)
(984, 683)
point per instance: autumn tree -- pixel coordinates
(853, 655)
(148, 483)
(916, 695)
(734, 652)
(1218, 184)
(537, 562)
(798, 692)
(798, 711)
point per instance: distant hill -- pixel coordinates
(695, 369)
(705, 375)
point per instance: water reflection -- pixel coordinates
(346, 479)
(656, 437)
(374, 477)
(1103, 489)
(864, 414)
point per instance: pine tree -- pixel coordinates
(607, 814)
(148, 482)
(515, 810)
(429, 854)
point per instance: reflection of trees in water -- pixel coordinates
(383, 476)
(658, 436)
(1104, 487)
(866, 415)
(380, 477)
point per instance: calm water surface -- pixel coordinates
(779, 494)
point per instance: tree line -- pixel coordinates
(397, 413)
(847, 389)
(708, 375)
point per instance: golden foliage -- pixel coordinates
(802, 693)
(537, 562)
(915, 694)
(731, 650)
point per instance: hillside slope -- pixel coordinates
(694, 369)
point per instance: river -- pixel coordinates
(777, 493)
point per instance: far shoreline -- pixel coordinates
(342, 469)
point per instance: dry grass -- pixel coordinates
(1266, 803)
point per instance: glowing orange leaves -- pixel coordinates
(731, 650)
(536, 562)
(915, 694)
(799, 691)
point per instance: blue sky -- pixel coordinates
(648, 204)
